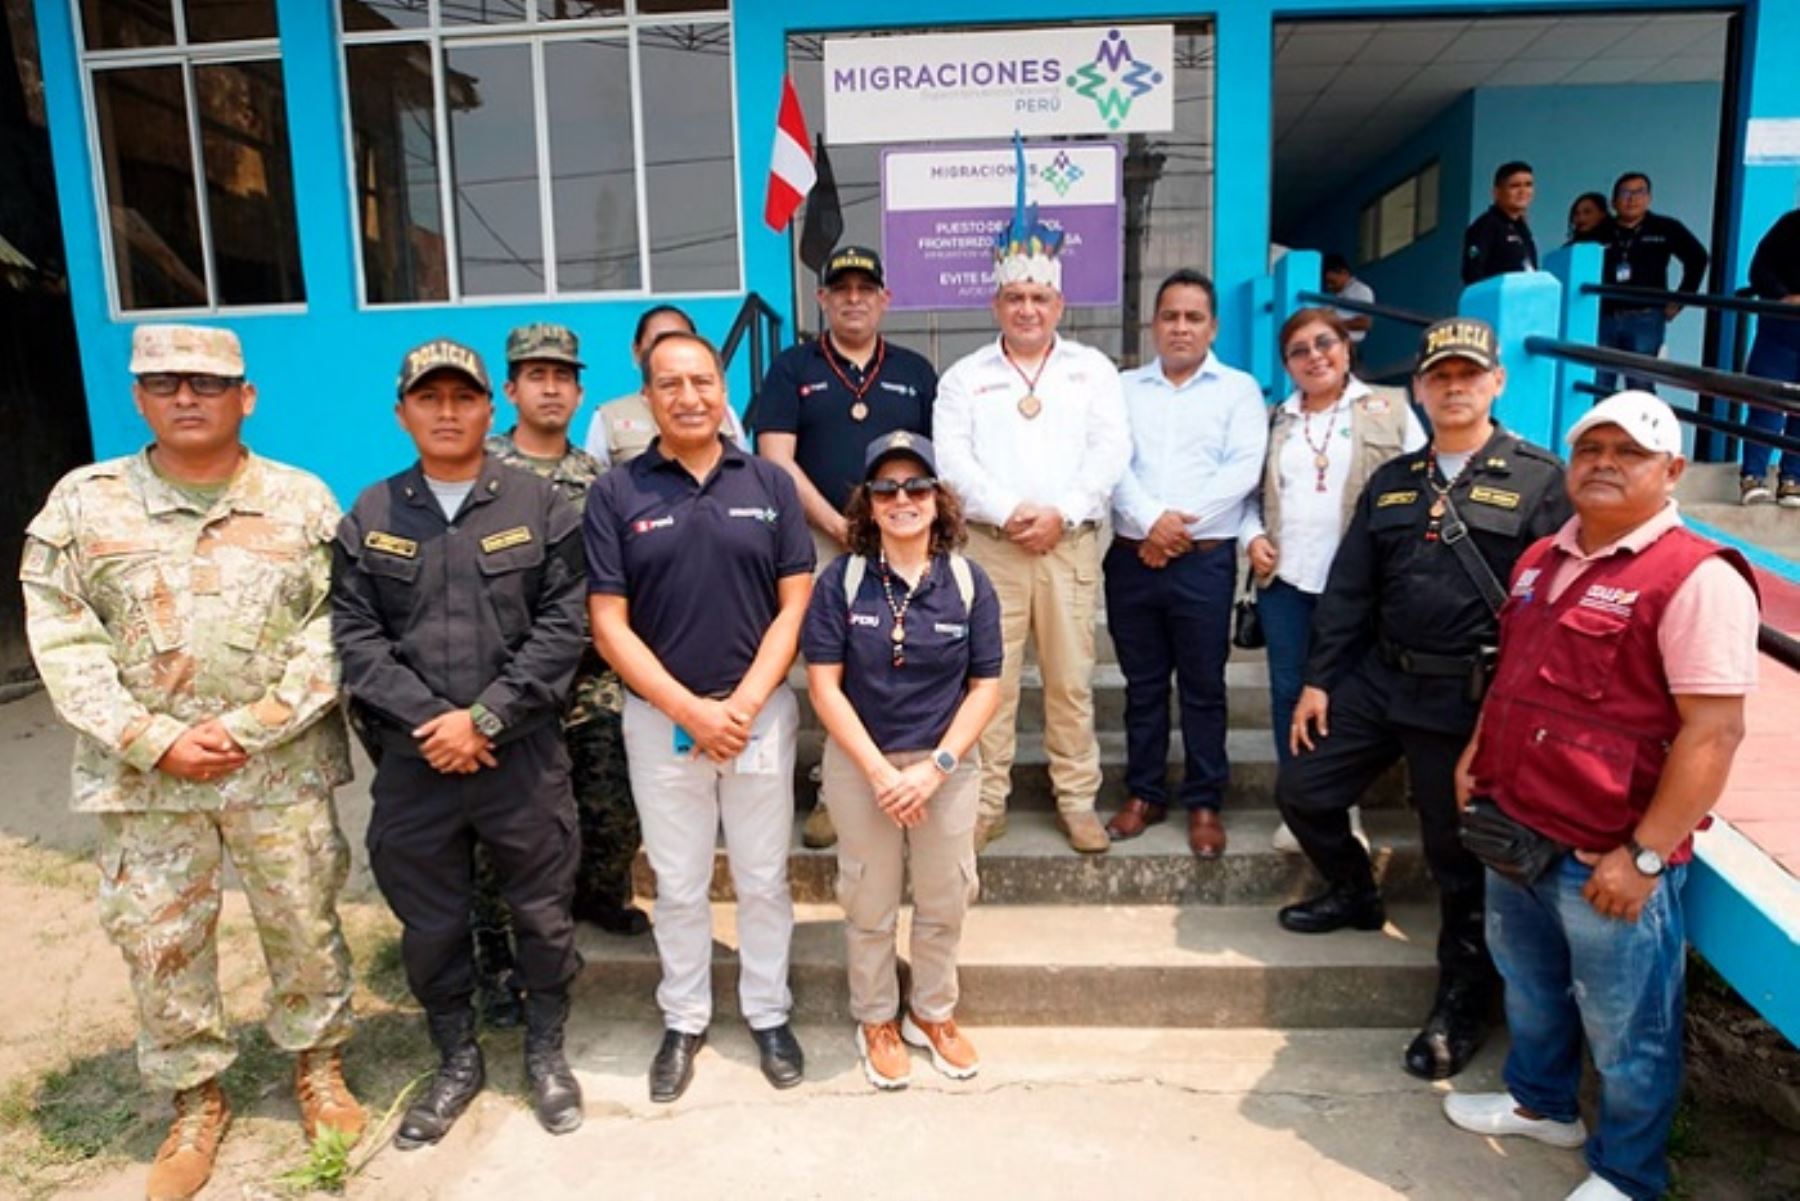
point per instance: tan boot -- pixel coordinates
(988, 829)
(816, 831)
(185, 1160)
(1083, 830)
(325, 1099)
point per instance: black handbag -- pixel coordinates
(1514, 850)
(1246, 622)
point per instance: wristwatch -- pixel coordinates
(486, 720)
(1647, 861)
(944, 761)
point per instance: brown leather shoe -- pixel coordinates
(1136, 817)
(325, 1099)
(1206, 833)
(185, 1160)
(1083, 830)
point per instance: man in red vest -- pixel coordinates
(1626, 648)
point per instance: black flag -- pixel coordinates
(823, 224)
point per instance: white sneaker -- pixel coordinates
(1594, 1188)
(1285, 842)
(1498, 1114)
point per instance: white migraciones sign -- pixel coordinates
(1093, 79)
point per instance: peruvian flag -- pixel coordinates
(791, 172)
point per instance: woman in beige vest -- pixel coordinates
(1325, 440)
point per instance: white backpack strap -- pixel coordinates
(965, 581)
(854, 571)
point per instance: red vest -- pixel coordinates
(1579, 720)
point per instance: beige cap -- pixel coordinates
(1645, 419)
(197, 349)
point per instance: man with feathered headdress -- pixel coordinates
(1031, 431)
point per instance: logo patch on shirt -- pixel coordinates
(766, 516)
(805, 390)
(391, 544)
(1389, 499)
(865, 619)
(1003, 386)
(954, 629)
(902, 389)
(1607, 599)
(1498, 497)
(1375, 406)
(517, 536)
(1527, 580)
(652, 523)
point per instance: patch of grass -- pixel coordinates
(326, 1168)
(91, 1107)
(42, 867)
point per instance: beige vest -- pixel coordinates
(629, 427)
(1377, 434)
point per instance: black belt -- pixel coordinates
(1201, 545)
(1421, 663)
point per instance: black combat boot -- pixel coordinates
(1457, 1027)
(555, 1093)
(459, 1076)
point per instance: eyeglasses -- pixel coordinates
(918, 485)
(1633, 193)
(1322, 345)
(168, 383)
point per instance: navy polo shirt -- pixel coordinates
(697, 560)
(803, 396)
(905, 708)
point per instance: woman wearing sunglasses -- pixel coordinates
(903, 651)
(1325, 440)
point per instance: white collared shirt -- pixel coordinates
(1070, 456)
(1196, 447)
(1356, 289)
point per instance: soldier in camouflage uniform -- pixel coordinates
(544, 384)
(177, 607)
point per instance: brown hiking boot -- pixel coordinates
(1083, 830)
(989, 829)
(185, 1160)
(817, 832)
(884, 1058)
(325, 1099)
(951, 1053)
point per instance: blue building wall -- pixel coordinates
(326, 373)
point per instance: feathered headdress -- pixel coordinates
(1026, 250)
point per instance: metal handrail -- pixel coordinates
(1749, 389)
(753, 315)
(1369, 308)
(1699, 300)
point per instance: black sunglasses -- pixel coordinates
(918, 485)
(168, 383)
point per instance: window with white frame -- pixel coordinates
(190, 140)
(512, 148)
(1400, 216)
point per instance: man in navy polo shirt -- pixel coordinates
(699, 571)
(825, 401)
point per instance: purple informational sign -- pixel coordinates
(942, 210)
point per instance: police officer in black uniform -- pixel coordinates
(1499, 240)
(1400, 643)
(457, 609)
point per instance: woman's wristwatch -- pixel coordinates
(944, 761)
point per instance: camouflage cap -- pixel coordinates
(441, 354)
(556, 343)
(195, 349)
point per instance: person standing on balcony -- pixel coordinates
(1627, 647)
(1775, 275)
(1198, 433)
(825, 400)
(621, 428)
(1034, 436)
(1638, 256)
(1339, 281)
(1401, 644)
(1499, 240)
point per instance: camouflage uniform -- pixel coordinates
(591, 724)
(152, 608)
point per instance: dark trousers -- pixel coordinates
(1286, 614)
(1316, 789)
(1174, 619)
(422, 839)
(1775, 355)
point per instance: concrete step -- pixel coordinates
(1246, 700)
(1771, 527)
(1251, 752)
(1127, 965)
(1033, 865)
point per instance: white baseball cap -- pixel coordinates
(1647, 420)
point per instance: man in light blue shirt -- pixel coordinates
(1199, 430)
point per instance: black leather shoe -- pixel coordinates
(555, 1093)
(783, 1062)
(1335, 909)
(1453, 1033)
(673, 1068)
(459, 1077)
(627, 920)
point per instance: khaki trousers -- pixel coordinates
(872, 857)
(825, 550)
(1052, 598)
